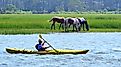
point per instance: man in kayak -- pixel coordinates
(40, 45)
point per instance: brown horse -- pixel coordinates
(60, 20)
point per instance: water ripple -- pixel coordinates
(3, 64)
(101, 53)
(116, 49)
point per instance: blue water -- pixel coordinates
(105, 50)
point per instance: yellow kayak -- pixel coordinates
(59, 51)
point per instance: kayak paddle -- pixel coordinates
(48, 43)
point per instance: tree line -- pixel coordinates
(58, 6)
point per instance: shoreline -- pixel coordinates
(46, 31)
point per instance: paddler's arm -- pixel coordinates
(42, 41)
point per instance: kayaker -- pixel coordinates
(40, 46)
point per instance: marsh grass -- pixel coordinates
(38, 23)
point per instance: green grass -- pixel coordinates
(38, 23)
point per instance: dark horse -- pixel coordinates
(58, 20)
(82, 22)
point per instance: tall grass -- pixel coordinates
(105, 21)
(33, 23)
(23, 21)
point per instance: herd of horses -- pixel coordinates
(65, 23)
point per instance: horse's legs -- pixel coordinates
(53, 24)
(77, 28)
(63, 27)
(66, 26)
(87, 27)
(83, 27)
(80, 27)
(73, 27)
(60, 26)
(69, 25)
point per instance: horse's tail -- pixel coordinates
(51, 20)
(87, 26)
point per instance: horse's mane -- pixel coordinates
(58, 17)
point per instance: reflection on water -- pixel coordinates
(105, 50)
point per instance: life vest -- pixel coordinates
(39, 47)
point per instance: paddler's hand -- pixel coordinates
(45, 41)
(49, 45)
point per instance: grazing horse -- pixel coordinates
(60, 20)
(72, 21)
(82, 22)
